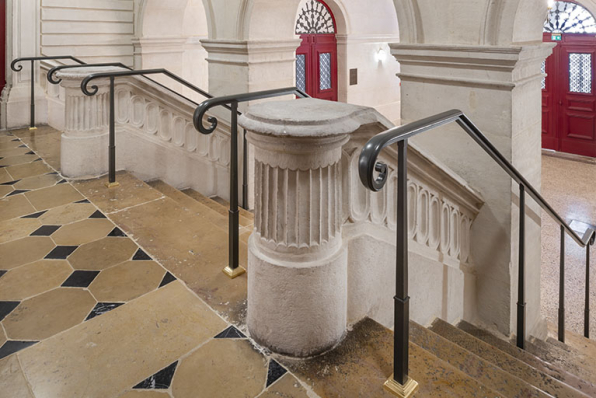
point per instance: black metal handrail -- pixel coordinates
(231, 102)
(368, 166)
(18, 68)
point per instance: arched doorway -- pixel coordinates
(316, 58)
(569, 90)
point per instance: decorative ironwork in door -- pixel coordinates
(568, 91)
(316, 58)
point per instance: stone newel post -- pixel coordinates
(297, 281)
(84, 151)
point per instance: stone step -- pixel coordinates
(485, 372)
(537, 363)
(218, 207)
(362, 362)
(244, 213)
(564, 356)
(504, 361)
(575, 341)
(191, 204)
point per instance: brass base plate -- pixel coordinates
(405, 391)
(112, 184)
(32, 128)
(233, 273)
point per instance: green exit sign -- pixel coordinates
(556, 37)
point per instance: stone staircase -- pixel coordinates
(447, 361)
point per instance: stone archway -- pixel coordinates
(168, 35)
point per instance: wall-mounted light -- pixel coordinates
(381, 55)
(551, 4)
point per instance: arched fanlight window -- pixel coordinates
(566, 17)
(315, 18)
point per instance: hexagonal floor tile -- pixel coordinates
(24, 251)
(32, 279)
(17, 228)
(48, 314)
(127, 281)
(68, 214)
(83, 232)
(103, 254)
(55, 196)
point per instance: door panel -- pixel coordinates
(316, 66)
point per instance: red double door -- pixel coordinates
(569, 96)
(316, 66)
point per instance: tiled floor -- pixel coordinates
(569, 186)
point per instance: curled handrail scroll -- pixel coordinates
(18, 68)
(368, 163)
(230, 99)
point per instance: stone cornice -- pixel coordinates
(244, 53)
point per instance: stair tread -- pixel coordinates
(503, 360)
(564, 356)
(219, 208)
(244, 213)
(532, 360)
(483, 371)
(190, 203)
(362, 362)
(575, 341)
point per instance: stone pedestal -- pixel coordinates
(297, 282)
(84, 144)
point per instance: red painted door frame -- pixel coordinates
(569, 118)
(312, 47)
(2, 44)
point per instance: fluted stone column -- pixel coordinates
(297, 266)
(84, 144)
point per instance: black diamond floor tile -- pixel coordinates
(80, 279)
(46, 230)
(10, 182)
(21, 146)
(117, 232)
(159, 381)
(168, 278)
(102, 308)
(83, 201)
(37, 160)
(61, 182)
(17, 192)
(6, 307)
(11, 346)
(36, 215)
(30, 153)
(61, 252)
(97, 214)
(231, 333)
(141, 255)
(2, 272)
(275, 372)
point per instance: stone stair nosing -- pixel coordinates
(564, 356)
(552, 370)
(221, 209)
(504, 361)
(483, 371)
(243, 212)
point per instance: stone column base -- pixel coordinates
(84, 156)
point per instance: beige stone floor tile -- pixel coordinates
(83, 232)
(48, 314)
(2, 336)
(6, 152)
(12, 381)
(103, 254)
(68, 214)
(28, 170)
(221, 368)
(9, 143)
(115, 351)
(38, 182)
(192, 249)
(16, 160)
(17, 228)
(286, 387)
(24, 251)
(4, 176)
(5, 190)
(127, 281)
(33, 279)
(55, 196)
(131, 192)
(145, 394)
(41, 131)
(15, 206)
